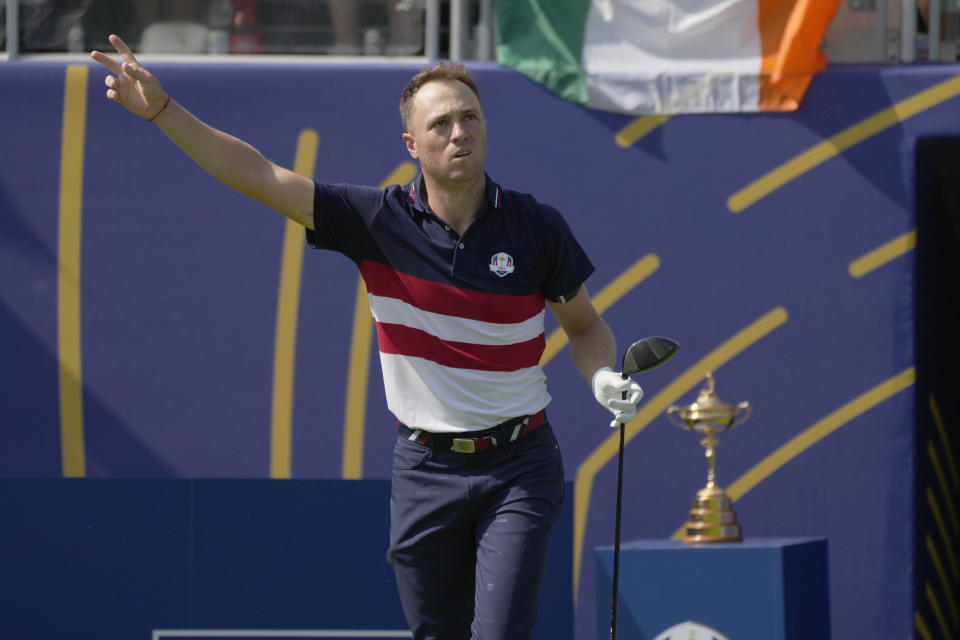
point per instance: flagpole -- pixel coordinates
(933, 31)
(458, 31)
(13, 29)
(485, 37)
(882, 31)
(908, 31)
(431, 47)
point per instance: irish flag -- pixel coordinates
(668, 56)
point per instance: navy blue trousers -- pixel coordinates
(469, 535)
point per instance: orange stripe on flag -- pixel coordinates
(790, 35)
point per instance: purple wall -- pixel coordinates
(179, 279)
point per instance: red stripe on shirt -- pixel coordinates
(406, 341)
(382, 280)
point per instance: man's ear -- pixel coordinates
(411, 145)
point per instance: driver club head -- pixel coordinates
(647, 354)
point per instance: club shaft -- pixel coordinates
(616, 540)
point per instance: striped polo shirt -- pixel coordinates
(459, 318)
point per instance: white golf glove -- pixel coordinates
(608, 389)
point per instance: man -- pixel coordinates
(458, 271)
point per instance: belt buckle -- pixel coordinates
(463, 445)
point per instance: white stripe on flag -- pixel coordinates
(655, 56)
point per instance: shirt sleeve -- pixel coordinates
(566, 265)
(342, 215)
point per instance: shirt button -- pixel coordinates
(446, 228)
(461, 245)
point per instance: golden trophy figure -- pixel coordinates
(712, 518)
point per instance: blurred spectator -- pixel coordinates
(405, 18)
(48, 26)
(340, 27)
(79, 25)
(346, 27)
(151, 11)
(406, 27)
(245, 29)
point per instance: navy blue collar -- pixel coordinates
(417, 190)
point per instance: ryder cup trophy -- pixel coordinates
(712, 518)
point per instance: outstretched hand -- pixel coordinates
(131, 85)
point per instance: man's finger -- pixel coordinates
(111, 65)
(623, 417)
(135, 71)
(122, 48)
(624, 384)
(620, 405)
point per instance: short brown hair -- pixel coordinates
(444, 70)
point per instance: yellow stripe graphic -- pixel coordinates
(357, 376)
(938, 565)
(948, 498)
(355, 408)
(944, 536)
(842, 141)
(587, 471)
(883, 254)
(816, 432)
(945, 443)
(921, 626)
(73, 457)
(813, 434)
(621, 286)
(637, 129)
(937, 611)
(285, 340)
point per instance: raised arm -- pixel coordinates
(225, 157)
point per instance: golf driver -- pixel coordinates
(641, 356)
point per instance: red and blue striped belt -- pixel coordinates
(478, 441)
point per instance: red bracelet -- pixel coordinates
(161, 110)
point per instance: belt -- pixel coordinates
(478, 441)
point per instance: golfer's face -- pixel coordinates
(448, 133)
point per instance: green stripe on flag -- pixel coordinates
(543, 40)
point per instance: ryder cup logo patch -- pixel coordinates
(501, 264)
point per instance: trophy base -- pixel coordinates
(712, 518)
